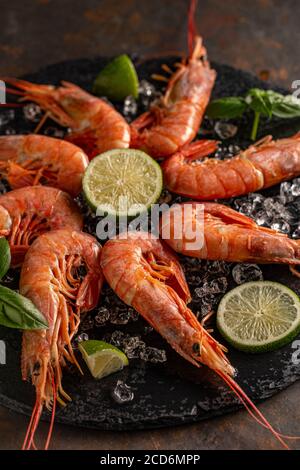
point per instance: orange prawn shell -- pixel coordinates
(61, 163)
(96, 125)
(127, 267)
(175, 121)
(34, 210)
(260, 166)
(229, 236)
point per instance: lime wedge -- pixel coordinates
(117, 80)
(259, 316)
(102, 358)
(122, 182)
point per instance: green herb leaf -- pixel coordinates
(227, 108)
(259, 101)
(18, 312)
(286, 107)
(5, 257)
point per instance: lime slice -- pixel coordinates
(102, 358)
(259, 316)
(122, 182)
(117, 80)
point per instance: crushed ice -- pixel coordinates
(122, 393)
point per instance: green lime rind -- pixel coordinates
(258, 317)
(117, 79)
(102, 358)
(92, 346)
(120, 175)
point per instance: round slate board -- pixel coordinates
(173, 392)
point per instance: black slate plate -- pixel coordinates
(173, 392)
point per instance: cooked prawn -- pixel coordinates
(5, 222)
(31, 211)
(61, 275)
(262, 165)
(96, 125)
(175, 120)
(27, 160)
(147, 276)
(227, 235)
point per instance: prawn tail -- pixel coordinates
(252, 409)
(199, 149)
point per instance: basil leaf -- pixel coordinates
(226, 108)
(286, 107)
(259, 101)
(5, 257)
(18, 312)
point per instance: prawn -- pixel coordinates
(175, 120)
(5, 222)
(27, 160)
(264, 164)
(146, 275)
(61, 275)
(28, 212)
(96, 126)
(227, 235)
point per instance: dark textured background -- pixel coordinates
(260, 36)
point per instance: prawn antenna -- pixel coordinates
(191, 26)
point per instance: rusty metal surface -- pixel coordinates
(259, 36)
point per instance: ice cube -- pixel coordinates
(245, 272)
(295, 234)
(130, 107)
(122, 393)
(32, 112)
(225, 130)
(234, 149)
(295, 189)
(216, 286)
(146, 88)
(262, 218)
(102, 316)
(207, 304)
(82, 337)
(133, 314)
(117, 338)
(246, 208)
(154, 355)
(286, 192)
(218, 267)
(133, 346)
(281, 226)
(6, 116)
(120, 316)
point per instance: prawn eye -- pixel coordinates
(197, 349)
